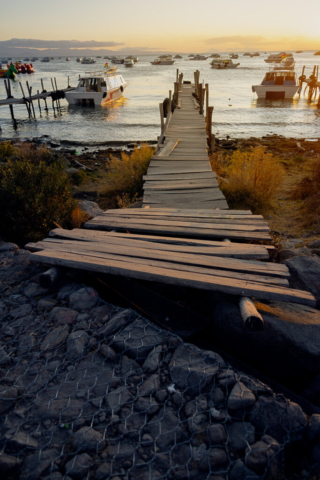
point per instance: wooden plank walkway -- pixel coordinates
(185, 234)
(150, 258)
(180, 174)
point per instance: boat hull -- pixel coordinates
(166, 62)
(95, 98)
(220, 66)
(275, 91)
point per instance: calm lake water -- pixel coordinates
(237, 112)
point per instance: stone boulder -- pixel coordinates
(91, 208)
(305, 273)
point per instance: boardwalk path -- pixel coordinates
(185, 234)
(183, 177)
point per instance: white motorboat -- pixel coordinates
(287, 63)
(87, 61)
(68, 59)
(129, 62)
(223, 63)
(275, 57)
(97, 88)
(199, 57)
(163, 60)
(117, 60)
(79, 59)
(277, 85)
(45, 59)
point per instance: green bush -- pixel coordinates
(34, 199)
(79, 177)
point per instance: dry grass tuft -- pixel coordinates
(78, 217)
(308, 190)
(252, 178)
(125, 174)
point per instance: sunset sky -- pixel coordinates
(173, 25)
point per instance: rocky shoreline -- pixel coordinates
(90, 390)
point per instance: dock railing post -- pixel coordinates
(207, 100)
(209, 128)
(177, 75)
(26, 101)
(170, 102)
(161, 116)
(44, 91)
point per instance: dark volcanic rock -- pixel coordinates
(306, 273)
(278, 418)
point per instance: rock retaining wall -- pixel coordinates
(92, 391)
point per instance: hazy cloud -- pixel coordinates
(34, 43)
(239, 40)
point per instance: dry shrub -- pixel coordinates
(33, 199)
(6, 150)
(124, 200)
(33, 153)
(125, 174)
(308, 190)
(78, 217)
(252, 179)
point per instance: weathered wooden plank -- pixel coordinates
(168, 186)
(231, 214)
(221, 204)
(184, 231)
(179, 176)
(202, 247)
(168, 148)
(207, 282)
(114, 220)
(154, 258)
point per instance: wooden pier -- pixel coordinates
(27, 100)
(184, 234)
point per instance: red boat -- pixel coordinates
(24, 68)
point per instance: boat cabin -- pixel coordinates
(100, 81)
(280, 77)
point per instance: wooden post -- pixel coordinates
(250, 315)
(58, 101)
(209, 127)
(201, 94)
(161, 116)
(27, 105)
(195, 83)
(48, 278)
(8, 90)
(177, 75)
(39, 102)
(170, 101)
(44, 91)
(207, 100)
(30, 92)
(51, 97)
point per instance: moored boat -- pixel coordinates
(199, 57)
(79, 59)
(163, 60)
(68, 59)
(277, 85)
(129, 62)
(87, 61)
(234, 56)
(45, 59)
(97, 88)
(223, 63)
(275, 57)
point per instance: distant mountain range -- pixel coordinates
(68, 48)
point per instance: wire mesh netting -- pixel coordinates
(92, 391)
